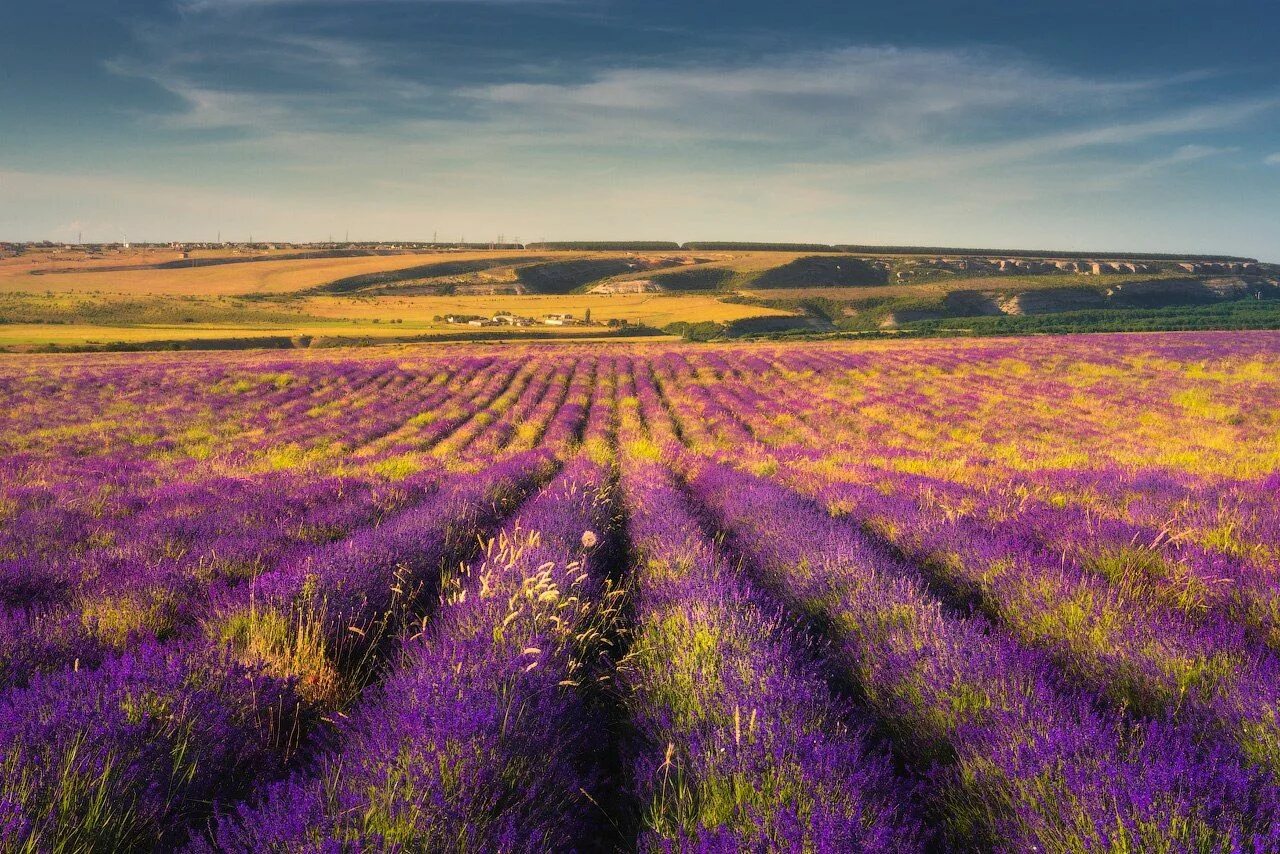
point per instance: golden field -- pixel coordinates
(65, 298)
(172, 319)
(70, 297)
(256, 277)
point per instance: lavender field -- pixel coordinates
(906, 596)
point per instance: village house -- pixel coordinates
(506, 318)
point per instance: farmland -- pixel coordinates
(1009, 594)
(226, 298)
(82, 321)
(72, 300)
(128, 275)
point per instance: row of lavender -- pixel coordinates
(1137, 632)
(129, 556)
(741, 617)
(474, 738)
(189, 644)
(1152, 622)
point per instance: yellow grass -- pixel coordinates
(650, 309)
(159, 318)
(18, 334)
(72, 260)
(35, 334)
(372, 317)
(742, 262)
(290, 276)
(943, 286)
(260, 277)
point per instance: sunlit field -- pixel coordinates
(257, 277)
(1002, 595)
(112, 298)
(214, 320)
(71, 300)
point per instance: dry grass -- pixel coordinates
(161, 319)
(263, 277)
(79, 259)
(19, 335)
(943, 286)
(650, 309)
(740, 262)
(184, 304)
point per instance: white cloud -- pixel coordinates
(878, 93)
(890, 109)
(811, 130)
(809, 144)
(1272, 159)
(937, 160)
(233, 5)
(299, 80)
(1182, 155)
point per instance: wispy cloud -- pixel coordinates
(1272, 159)
(859, 106)
(1183, 155)
(942, 159)
(231, 5)
(861, 93)
(269, 78)
(286, 89)
(820, 126)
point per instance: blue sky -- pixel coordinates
(1148, 124)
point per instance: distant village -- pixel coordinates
(506, 318)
